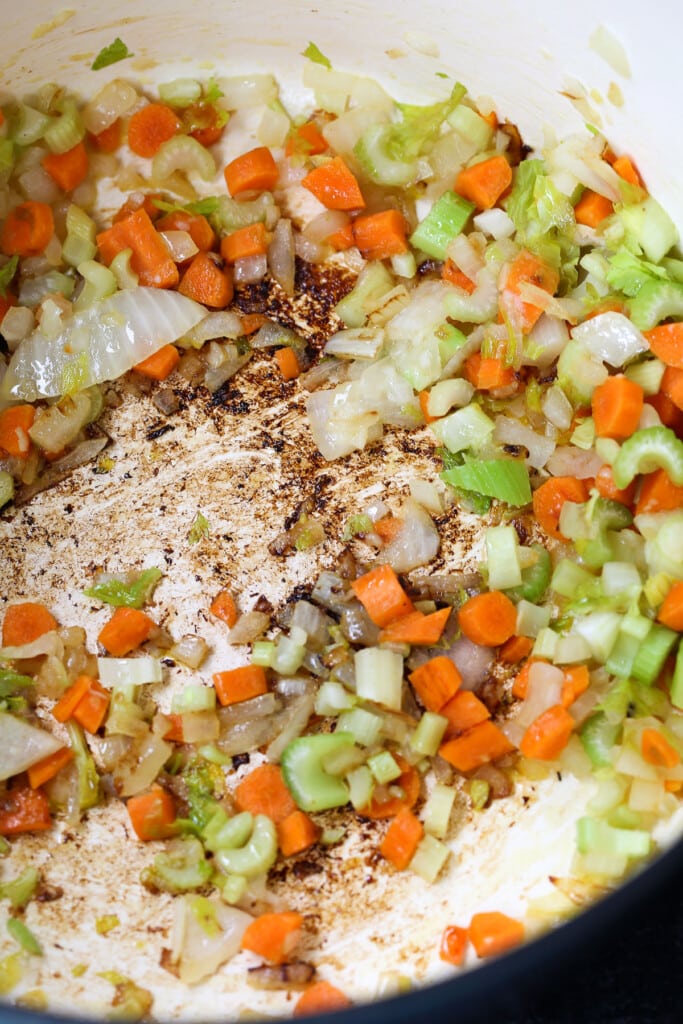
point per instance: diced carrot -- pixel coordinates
(625, 169)
(666, 342)
(388, 528)
(549, 498)
(224, 608)
(617, 406)
(380, 235)
(657, 750)
(25, 622)
(161, 364)
(205, 122)
(252, 322)
(453, 945)
(109, 139)
(342, 239)
(673, 785)
(150, 259)
(296, 833)
(436, 682)
(516, 649)
(335, 186)
(487, 373)
(606, 487)
(91, 710)
(527, 268)
(238, 684)
(401, 839)
(576, 681)
(453, 274)
(205, 282)
(408, 781)
(273, 936)
(416, 628)
(491, 118)
(70, 699)
(174, 731)
(423, 398)
(592, 209)
(68, 169)
(27, 229)
(251, 240)
(463, 712)
(43, 771)
(263, 791)
(485, 182)
(23, 809)
(488, 619)
(15, 423)
(658, 494)
(150, 127)
(196, 225)
(152, 814)
(137, 201)
(483, 743)
(672, 385)
(671, 611)
(493, 933)
(548, 735)
(382, 596)
(125, 631)
(255, 171)
(287, 363)
(320, 997)
(306, 140)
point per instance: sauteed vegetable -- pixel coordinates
(517, 308)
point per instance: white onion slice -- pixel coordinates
(100, 343)
(281, 258)
(571, 461)
(511, 431)
(201, 943)
(416, 543)
(22, 745)
(611, 337)
(250, 269)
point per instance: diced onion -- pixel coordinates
(180, 244)
(17, 324)
(111, 102)
(416, 543)
(510, 431)
(611, 337)
(495, 223)
(206, 933)
(547, 339)
(129, 671)
(243, 91)
(249, 627)
(325, 224)
(220, 324)
(281, 260)
(23, 745)
(571, 461)
(250, 269)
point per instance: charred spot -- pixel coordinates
(521, 530)
(239, 760)
(304, 508)
(263, 605)
(303, 868)
(230, 400)
(168, 662)
(514, 449)
(516, 150)
(301, 592)
(549, 376)
(49, 893)
(429, 267)
(157, 432)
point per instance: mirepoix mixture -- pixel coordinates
(523, 309)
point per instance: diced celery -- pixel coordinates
(535, 574)
(379, 676)
(436, 813)
(20, 890)
(650, 226)
(194, 697)
(652, 653)
(465, 428)
(647, 374)
(289, 652)
(303, 770)
(332, 698)
(596, 836)
(144, 669)
(578, 373)
(620, 661)
(472, 126)
(257, 855)
(607, 448)
(360, 785)
(429, 858)
(618, 577)
(635, 624)
(344, 760)
(583, 435)
(262, 653)
(546, 644)
(373, 282)
(480, 791)
(451, 340)
(233, 887)
(384, 767)
(657, 587)
(6, 487)
(571, 650)
(531, 618)
(502, 557)
(64, 132)
(181, 92)
(647, 450)
(445, 220)
(676, 692)
(364, 726)
(122, 270)
(430, 731)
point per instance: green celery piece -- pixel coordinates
(622, 656)
(648, 224)
(647, 450)
(355, 525)
(23, 935)
(595, 835)
(451, 340)
(316, 56)
(6, 487)
(131, 595)
(88, 779)
(312, 787)
(111, 54)
(7, 274)
(181, 867)
(472, 501)
(204, 783)
(11, 681)
(504, 479)
(544, 218)
(256, 856)
(656, 301)
(652, 653)
(20, 889)
(445, 220)
(535, 578)
(628, 273)
(598, 736)
(578, 373)
(372, 153)
(676, 692)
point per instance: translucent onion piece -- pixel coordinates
(242, 91)
(220, 324)
(416, 543)
(17, 323)
(206, 933)
(611, 337)
(250, 269)
(180, 245)
(325, 224)
(472, 661)
(22, 745)
(571, 461)
(100, 343)
(116, 98)
(152, 755)
(281, 258)
(48, 643)
(249, 627)
(511, 431)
